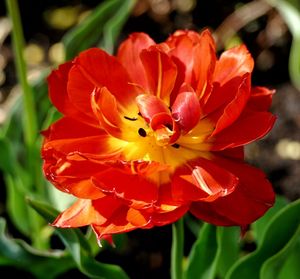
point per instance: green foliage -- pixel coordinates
(22, 171)
(43, 264)
(214, 252)
(217, 252)
(278, 241)
(79, 248)
(104, 23)
(290, 12)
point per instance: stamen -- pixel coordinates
(131, 119)
(142, 132)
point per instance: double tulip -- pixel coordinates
(156, 131)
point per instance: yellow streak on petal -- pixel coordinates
(159, 78)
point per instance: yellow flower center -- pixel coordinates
(155, 146)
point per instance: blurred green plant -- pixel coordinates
(290, 12)
(20, 160)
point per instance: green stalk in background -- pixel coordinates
(30, 122)
(30, 128)
(177, 250)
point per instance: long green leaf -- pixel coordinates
(79, 248)
(290, 12)
(113, 26)
(228, 249)
(90, 31)
(272, 267)
(260, 226)
(17, 253)
(201, 262)
(291, 266)
(279, 231)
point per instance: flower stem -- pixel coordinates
(177, 250)
(30, 122)
(30, 126)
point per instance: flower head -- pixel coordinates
(155, 132)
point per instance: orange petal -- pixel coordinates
(57, 82)
(250, 200)
(149, 105)
(234, 62)
(249, 127)
(66, 128)
(195, 58)
(260, 98)
(207, 181)
(101, 69)
(104, 105)
(133, 188)
(160, 72)
(204, 58)
(233, 110)
(129, 55)
(119, 222)
(81, 213)
(186, 110)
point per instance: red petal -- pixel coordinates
(57, 82)
(233, 63)
(149, 105)
(123, 220)
(104, 105)
(204, 65)
(100, 70)
(81, 213)
(260, 99)
(162, 219)
(249, 127)
(203, 180)
(186, 110)
(235, 153)
(129, 55)
(250, 200)
(166, 131)
(66, 128)
(160, 72)
(181, 51)
(233, 110)
(85, 146)
(134, 188)
(195, 58)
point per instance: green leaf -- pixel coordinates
(90, 31)
(201, 262)
(79, 248)
(43, 264)
(7, 159)
(114, 25)
(272, 267)
(281, 228)
(193, 224)
(291, 266)
(259, 227)
(290, 12)
(17, 207)
(228, 249)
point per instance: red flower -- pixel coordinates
(156, 131)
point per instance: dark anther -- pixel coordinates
(139, 114)
(175, 145)
(131, 119)
(169, 126)
(142, 132)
